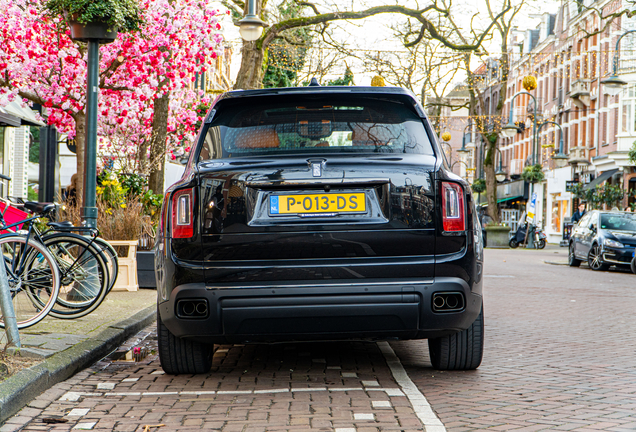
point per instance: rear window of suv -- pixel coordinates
(302, 125)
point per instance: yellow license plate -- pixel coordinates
(317, 203)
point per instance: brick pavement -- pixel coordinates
(559, 356)
(342, 387)
(560, 352)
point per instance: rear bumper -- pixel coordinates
(335, 311)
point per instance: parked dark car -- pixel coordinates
(603, 239)
(318, 213)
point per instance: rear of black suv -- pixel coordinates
(318, 213)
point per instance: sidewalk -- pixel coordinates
(61, 348)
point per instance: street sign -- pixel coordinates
(569, 185)
(531, 208)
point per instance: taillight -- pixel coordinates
(453, 208)
(182, 220)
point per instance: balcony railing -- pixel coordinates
(580, 87)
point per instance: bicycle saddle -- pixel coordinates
(61, 225)
(39, 207)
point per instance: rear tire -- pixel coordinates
(541, 244)
(181, 356)
(572, 260)
(513, 243)
(459, 351)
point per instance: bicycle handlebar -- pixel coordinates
(4, 177)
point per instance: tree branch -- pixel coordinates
(275, 29)
(311, 5)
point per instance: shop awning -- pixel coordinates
(600, 179)
(12, 114)
(509, 198)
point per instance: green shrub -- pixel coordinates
(533, 173)
(479, 186)
(119, 15)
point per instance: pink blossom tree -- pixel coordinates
(147, 100)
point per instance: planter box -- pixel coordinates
(497, 236)
(146, 269)
(127, 276)
(92, 32)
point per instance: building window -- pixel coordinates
(628, 102)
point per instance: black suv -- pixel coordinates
(318, 213)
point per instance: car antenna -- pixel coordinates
(314, 83)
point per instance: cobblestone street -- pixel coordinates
(559, 356)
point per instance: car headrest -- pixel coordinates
(256, 138)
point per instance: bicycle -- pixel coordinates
(31, 271)
(85, 276)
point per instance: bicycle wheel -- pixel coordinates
(110, 256)
(84, 275)
(31, 273)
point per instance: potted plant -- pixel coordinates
(479, 186)
(97, 20)
(533, 173)
(127, 215)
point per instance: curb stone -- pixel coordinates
(17, 391)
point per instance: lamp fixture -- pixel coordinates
(613, 85)
(509, 130)
(251, 26)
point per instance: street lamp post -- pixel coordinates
(510, 130)
(446, 136)
(614, 84)
(251, 27)
(89, 209)
(459, 161)
(560, 158)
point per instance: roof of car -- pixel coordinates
(396, 93)
(308, 90)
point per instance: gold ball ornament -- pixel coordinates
(377, 81)
(529, 83)
(446, 136)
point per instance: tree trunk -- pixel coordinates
(158, 143)
(491, 181)
(142, 157)
(250, 76)
(80, 146)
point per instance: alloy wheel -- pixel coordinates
(594, 259)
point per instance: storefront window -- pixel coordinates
(559, 212)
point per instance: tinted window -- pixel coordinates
(323, 126)
(618, 221)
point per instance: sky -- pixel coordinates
(374, 33)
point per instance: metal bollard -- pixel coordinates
(6, 307)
